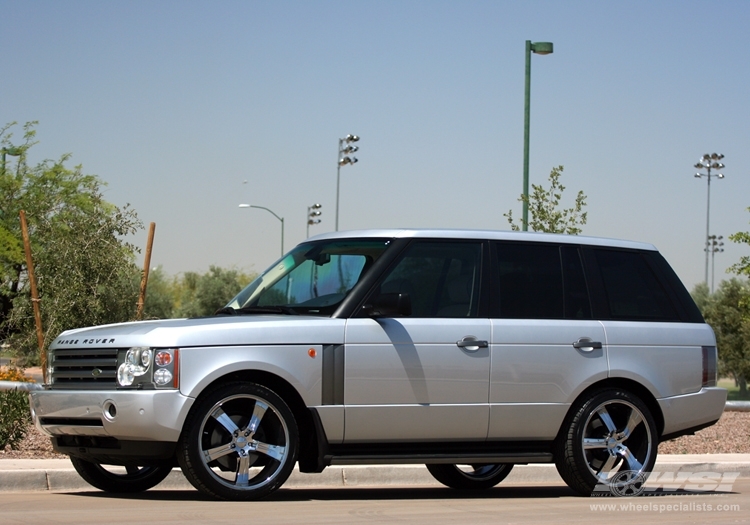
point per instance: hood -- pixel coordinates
(208, 331)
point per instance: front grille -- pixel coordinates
(84, 368)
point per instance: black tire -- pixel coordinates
(608, 442)
(470, 477)
(240, 442)
(113, 479)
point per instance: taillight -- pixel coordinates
(709, 366)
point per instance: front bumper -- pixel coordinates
(143, 415)
(687, 413)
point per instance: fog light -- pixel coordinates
(110, 410)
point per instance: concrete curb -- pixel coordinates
(37, 475)
(737, 406)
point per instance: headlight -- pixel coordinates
(50, 365)
(137, 363)
(143, 367)
(163, 358)
(162, 377)
(166, 368)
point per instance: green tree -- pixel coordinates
(701, 296)
(728, 313)
(160, 296)
(742, 267)
(86, 272)
(545, 212)
(202, 295)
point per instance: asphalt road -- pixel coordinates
(529, 503)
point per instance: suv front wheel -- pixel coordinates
(609, 443)
(239, 442)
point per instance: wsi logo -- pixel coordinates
(630, 483)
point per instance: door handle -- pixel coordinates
(585, 344)
(471, 343)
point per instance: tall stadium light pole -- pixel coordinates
(540, 48)
(313, 212)
(715, 245)
(281, 219)
(708, 162)
(345, 148)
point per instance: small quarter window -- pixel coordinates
(632, 290)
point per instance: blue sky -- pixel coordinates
(176, 104)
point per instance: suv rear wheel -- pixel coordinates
(470, 477)
(610, 443)
(239, 442)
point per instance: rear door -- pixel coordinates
(546, 348)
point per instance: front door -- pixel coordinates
(424, 376)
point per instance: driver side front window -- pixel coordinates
(441, 278)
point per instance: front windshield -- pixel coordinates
(313, 278)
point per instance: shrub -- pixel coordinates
(14, 409)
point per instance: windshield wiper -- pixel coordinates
(280, 309)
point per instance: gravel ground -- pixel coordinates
(731, 435)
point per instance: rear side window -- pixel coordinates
(632, 290)
(530, 281)
(540, 281)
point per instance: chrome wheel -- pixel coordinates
(611, 443)
(470, 476)
(616, 438)
(240, 443)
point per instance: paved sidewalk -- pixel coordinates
(59, 475)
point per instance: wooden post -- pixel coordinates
(146, 266)
(34, 294)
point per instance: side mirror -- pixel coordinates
(397, 304)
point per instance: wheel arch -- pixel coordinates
(308, 430)
(635, 388)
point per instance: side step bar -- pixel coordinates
(391, 459)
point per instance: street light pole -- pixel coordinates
(344, 159)
(709, 162)
(272, 213)
(540, 48)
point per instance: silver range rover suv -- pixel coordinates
(467, 351)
